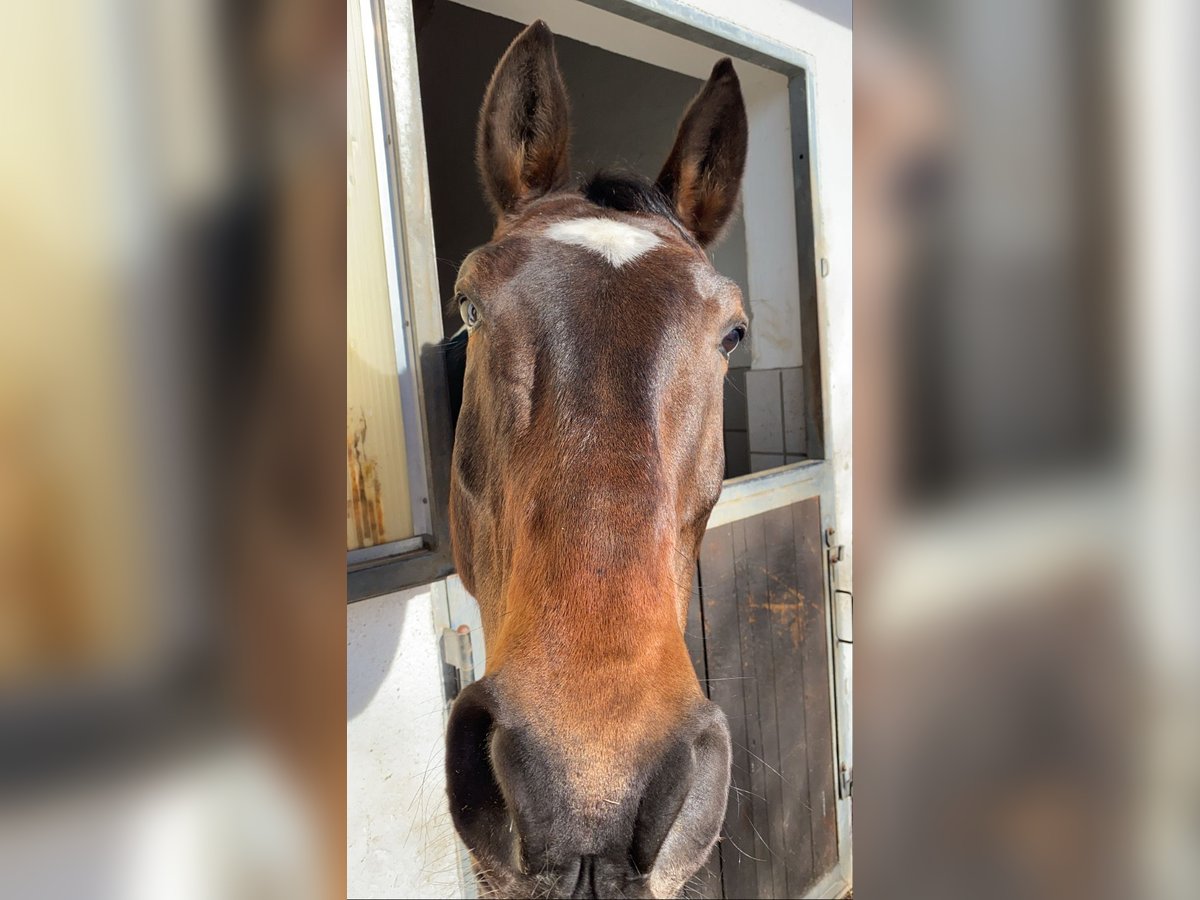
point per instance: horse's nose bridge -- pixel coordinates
(598, 726)
(589, 653)
(579, 551)
(599, 599)
(605, 404)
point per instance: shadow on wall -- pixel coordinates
(839, 11)
(373, 630)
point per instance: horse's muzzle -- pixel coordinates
(531, 834)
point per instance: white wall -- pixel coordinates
(400, 838)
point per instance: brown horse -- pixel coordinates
(588, 456)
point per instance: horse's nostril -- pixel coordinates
(683, 805)
(660, 805)
(477, 804)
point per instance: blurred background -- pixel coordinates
(172, 372)
(172, 563)
(1025, 418)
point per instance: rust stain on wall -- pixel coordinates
(364, 506)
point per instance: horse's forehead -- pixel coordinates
(578, 241)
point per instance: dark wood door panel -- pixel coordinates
(758, 637)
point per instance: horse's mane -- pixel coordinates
(630, 192)
(627, 192)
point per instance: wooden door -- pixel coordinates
(760, 639)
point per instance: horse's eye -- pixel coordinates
(469, 312)
(730, 342)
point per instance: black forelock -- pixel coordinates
(627, 192)
(630, 192)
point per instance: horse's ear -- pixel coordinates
(524, 129)
(703, 175)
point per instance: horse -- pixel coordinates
(588, 455)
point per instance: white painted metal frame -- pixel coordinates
(416, 316)
(394, 263)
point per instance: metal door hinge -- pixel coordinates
(836, 551)
(458, 659)
(845, 780)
